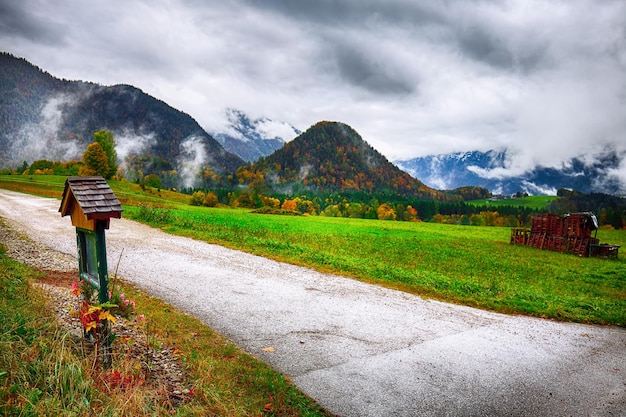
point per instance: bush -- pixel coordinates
(210, 199)
(197, 198)
(154, 215)
(152, 180)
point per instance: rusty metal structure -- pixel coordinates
(570, 233)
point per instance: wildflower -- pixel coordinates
(75, 289)
(106, 315)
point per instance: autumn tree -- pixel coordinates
(410, 214)
(94, 161)
(107, 142)
(291, 205)
(386, 212)
(197, 198)
(210, 199)
(152, 180)
(269, 201)
(247, 199)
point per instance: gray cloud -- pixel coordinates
(546, 80)
(484, 46)
(375, 72)
(355, 12)
(17, 21)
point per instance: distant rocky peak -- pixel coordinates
(496, 170)
(250, 138)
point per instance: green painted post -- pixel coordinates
(101, 256)
(93, 268)
(103, 291)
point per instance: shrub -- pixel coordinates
(154, 215)
(197, 198)
(210, 199)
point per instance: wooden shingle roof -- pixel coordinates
(93, 196)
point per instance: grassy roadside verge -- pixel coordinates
(44, 372)
(39, 372)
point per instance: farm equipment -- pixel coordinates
(570, 233)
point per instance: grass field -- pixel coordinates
(539, 202)
(468, 265)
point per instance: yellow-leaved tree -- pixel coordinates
(95, 161)
(386, 212)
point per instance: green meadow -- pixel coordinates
(469, 265)
(539, 202)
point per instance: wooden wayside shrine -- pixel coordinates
(89, 200)
(90, 203)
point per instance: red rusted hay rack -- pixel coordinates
(604, 250)
(570, 233)
(519, 236)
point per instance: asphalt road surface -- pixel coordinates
(358, 349)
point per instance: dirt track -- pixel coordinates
(361, 350)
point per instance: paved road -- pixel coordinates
(358, 349)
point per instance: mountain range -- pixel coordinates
(454, 170)
(43, 117)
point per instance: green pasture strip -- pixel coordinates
(539, 202)
(133, 194)
(43, 185)
(470, 265)
(126, 192)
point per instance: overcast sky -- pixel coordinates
(546, 79)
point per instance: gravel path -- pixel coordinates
(358, 349)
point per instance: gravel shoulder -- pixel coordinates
(358, 349)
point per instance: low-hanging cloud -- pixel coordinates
(193, 156)
(41, 139)
(130, 143)
(275, 129)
